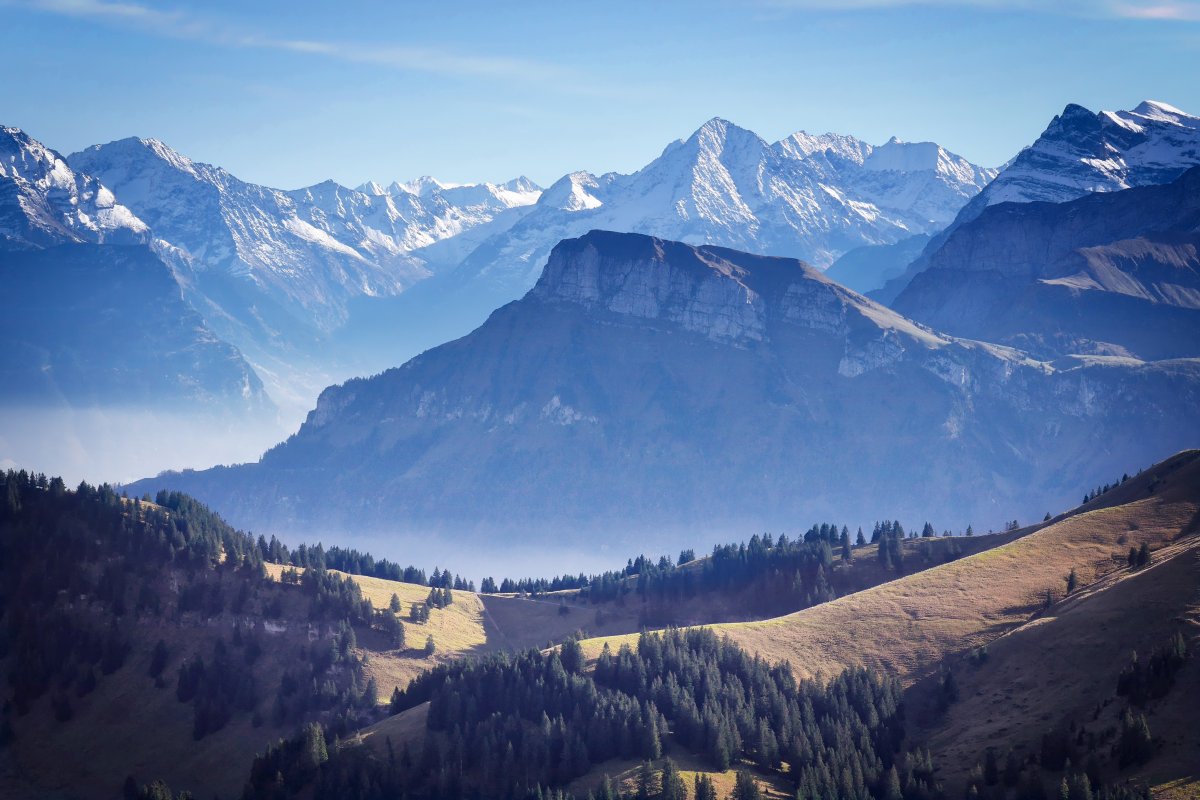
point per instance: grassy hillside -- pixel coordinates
(1061, 669)
(1048, 667)
(909, 625)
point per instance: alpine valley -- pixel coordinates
(682, 369)
(795, 466)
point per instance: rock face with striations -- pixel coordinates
(1114, 273)
(645, 387)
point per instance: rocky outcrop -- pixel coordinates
(43, 202)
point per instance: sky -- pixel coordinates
(292, 93)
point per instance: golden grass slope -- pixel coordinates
(1062, 667)
(472, 625)
(908, 626)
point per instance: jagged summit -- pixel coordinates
(55, 204)
(519, 191)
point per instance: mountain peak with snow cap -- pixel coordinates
(54, 203)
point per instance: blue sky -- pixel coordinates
(291, 93)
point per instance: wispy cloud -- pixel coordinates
(1168, 10)
(1180, 12)
(185, 25)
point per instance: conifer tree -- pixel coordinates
(672, 786)
(744, 787)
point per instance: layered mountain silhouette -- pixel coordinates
(644, 387)
(1114, 273)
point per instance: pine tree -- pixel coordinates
(704, 788)
(991, 769)
(430, 647)
(647, 784)
(892, 785)
(1079, 787)
(1072, 581)
(672, 787)
(572, 656)
(394, 605)
(744, 787)
(314, 753)
(158, 659)
(370, 697)
(1134, 745)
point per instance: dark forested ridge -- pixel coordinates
(525, 725)
(766, 574)
(165, 596)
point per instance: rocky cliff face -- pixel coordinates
(645, 386)
(1115, 273)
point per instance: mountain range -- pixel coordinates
(318, 284)
(315, 285)
(1110, 273)
(275, 270)
(810, 197)
(92, 316)
(638, 370)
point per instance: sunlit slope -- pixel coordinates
(1061, 669)
(908, 626)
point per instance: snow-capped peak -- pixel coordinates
(425, 186)
(1163, 111)
(573, 192)
(801, 145)
(1082, 152)
(521, 184)
(55, 203)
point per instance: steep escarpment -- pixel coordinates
(644, 387)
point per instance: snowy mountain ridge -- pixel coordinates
(49, 203)
(1082, 152)
(808, 197)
